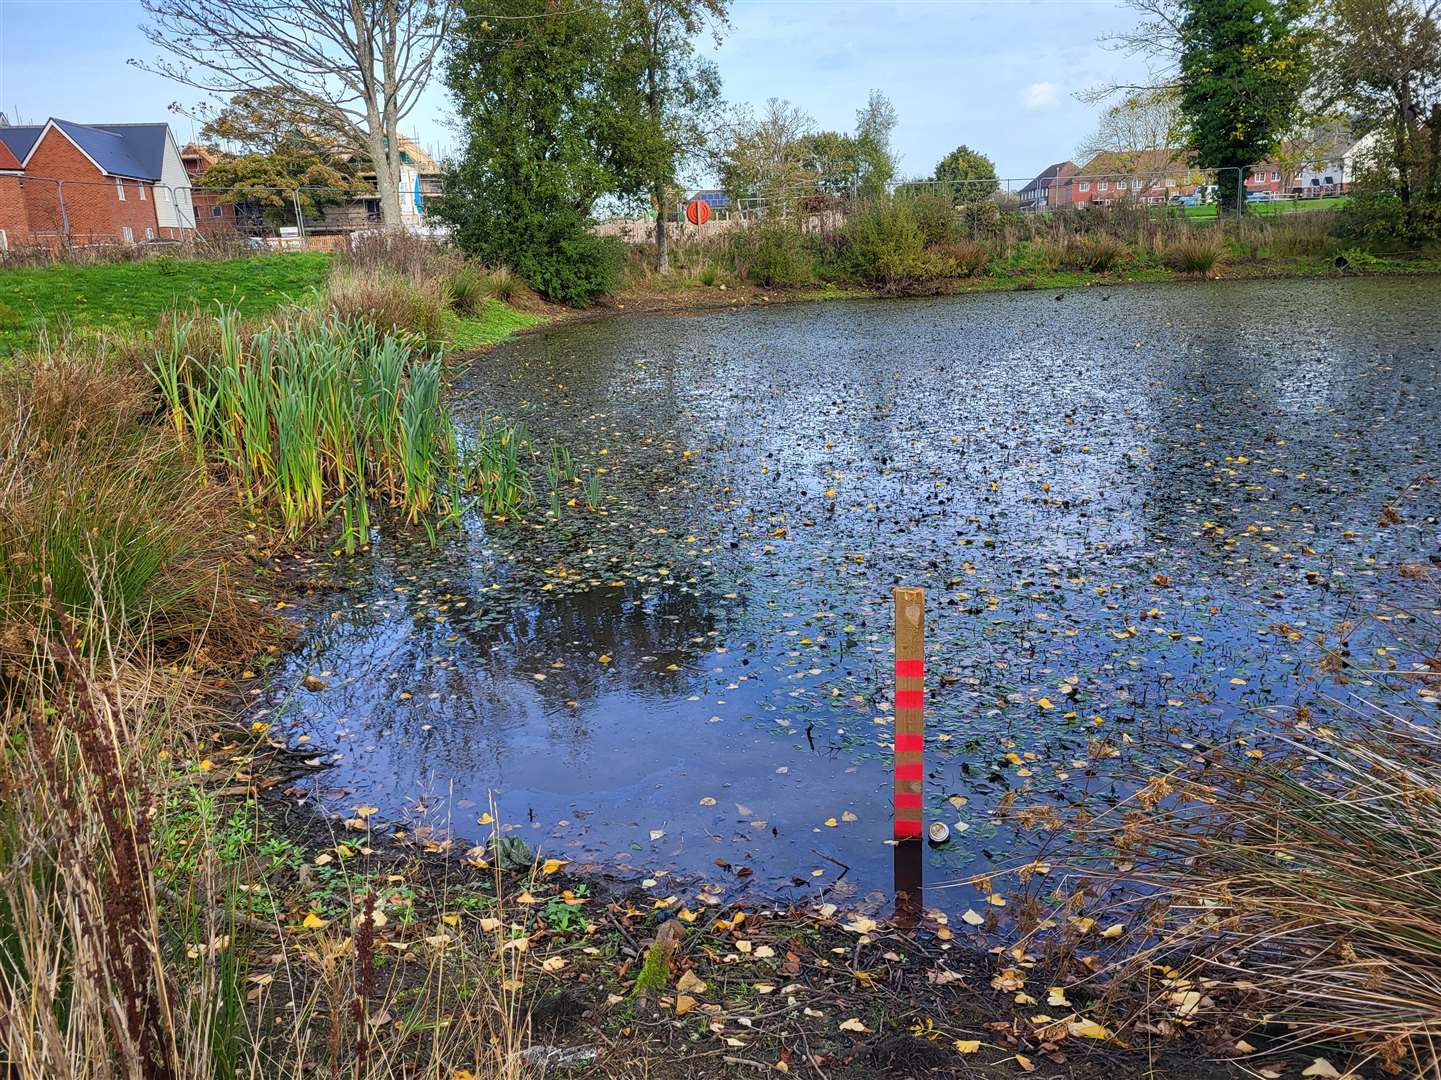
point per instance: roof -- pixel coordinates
(1112, 163)
(135, 151)
(146, 143)
(1050, 172)
(21, 138)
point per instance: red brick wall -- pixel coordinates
(91, 201)
(13, 218)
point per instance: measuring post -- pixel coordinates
(910, 699)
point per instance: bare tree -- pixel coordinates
(766, 155)
(1137, 137)
(360, 65)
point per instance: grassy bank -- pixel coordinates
(130, 298)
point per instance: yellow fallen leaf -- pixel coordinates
(854, 1024)
(1045, 703)
(970, 918)
(489, 926)
(848, 816)
(485, 819)
(656, 834)
(684, 1003)
(831, 822)
(860, 924)
(314, 922)
(551, 866)
(1056, 997)
(967, 1046)
(1320, 1067)
(1087, 1029)
(690, 983)
(1113, 931)
(552, 964)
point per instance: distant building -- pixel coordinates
(420, 184)
(1145, 177)
(1049, 190)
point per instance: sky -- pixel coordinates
(997, 75)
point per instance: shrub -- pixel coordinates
(1196, 252)
(576, 267)
(961, 258)
(773, 253)
(1096, 253)
(938, 218)
(709, 274)
(390, 302)
(885, 245)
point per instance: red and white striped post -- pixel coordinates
(910, 699)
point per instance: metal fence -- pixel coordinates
(82, 214)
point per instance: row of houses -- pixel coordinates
(69, 184)
(1157, 177)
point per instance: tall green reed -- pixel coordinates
(315, 416)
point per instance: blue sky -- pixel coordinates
(998, 75)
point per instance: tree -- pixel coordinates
(678, 90)
(552, 122)
(294, 174)
(1137, 137)
(359, 64)
(1244, 66)
(970, 175)
(767, 156)
(1382, 59)
(876, 163)
(281, 160)
(833, 162)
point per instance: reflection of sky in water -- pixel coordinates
(709, 659)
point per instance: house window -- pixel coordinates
(149, 233)
(126, 234)
(1105, 185)
(166, 192)
(1135, 184)
(1275, 176)
(1330, 180)
(120, 189)
(1085, 185)
(1170, 181)
(215, 210)
(4, 241)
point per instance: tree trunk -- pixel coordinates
(662, 237)
(387, 179)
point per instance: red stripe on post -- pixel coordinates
(907, 829)
(908, 770)
(910, 669)
(910, 699)
(908, 800)
(910, 744)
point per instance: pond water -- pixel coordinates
(1112, 498)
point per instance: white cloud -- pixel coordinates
(1041, 95)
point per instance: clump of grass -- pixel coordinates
(100, 507)
(317, 416)
(391, 302)
(1096, 253)
(468, 290)
(1198, 251)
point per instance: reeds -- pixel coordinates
(1293, 879)
(315, 416)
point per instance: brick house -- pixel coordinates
(1147, 177)
(14, 221)
(211, 214)
(1049, 190)
(90, 184)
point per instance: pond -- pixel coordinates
(1114, 499)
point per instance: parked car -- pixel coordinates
(1258, 196)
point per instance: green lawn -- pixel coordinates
(123, 296)
(1260, 209)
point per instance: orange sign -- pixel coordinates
(697, 211)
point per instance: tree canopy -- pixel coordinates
(968, 175)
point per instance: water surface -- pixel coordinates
(1114, 498)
